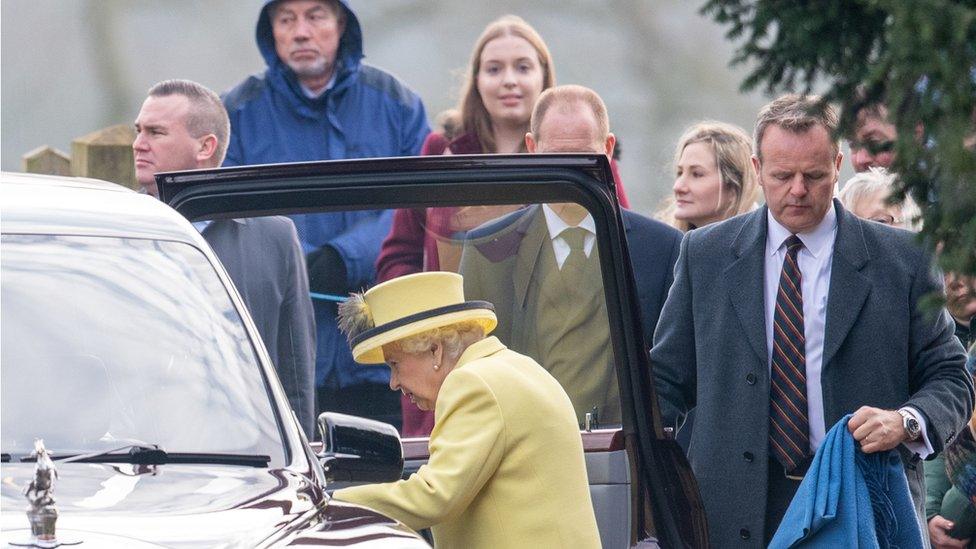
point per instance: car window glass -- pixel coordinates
(112, 341)
(549, 300)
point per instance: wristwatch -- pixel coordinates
(911, 425)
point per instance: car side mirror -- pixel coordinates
(356, 449)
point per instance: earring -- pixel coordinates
(437, 366)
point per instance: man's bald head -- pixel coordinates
(570, 119)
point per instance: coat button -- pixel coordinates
(748, 456)
(744, 533)
(751, 378)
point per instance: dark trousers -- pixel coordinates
(369, 400)
(779, 493)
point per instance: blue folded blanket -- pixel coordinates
(850, 499)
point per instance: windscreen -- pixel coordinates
(114, 341)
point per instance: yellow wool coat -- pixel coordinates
(506, 462)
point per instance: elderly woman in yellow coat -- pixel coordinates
(506, 464)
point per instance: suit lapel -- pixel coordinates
(535, 233)
(745, 281)
(849, 288)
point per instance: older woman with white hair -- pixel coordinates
(866, 195)
(504, 428)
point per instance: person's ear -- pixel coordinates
(757, 167)
(610, 144)
(438, 352)
(530, 143)
(207, 148)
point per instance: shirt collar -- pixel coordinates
(203, 225)
(312, 95)
(480, 349)
(815, 241)
(556, 224)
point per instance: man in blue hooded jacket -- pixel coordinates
(317, 101)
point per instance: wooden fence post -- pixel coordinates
(46, 160)
(106, 154)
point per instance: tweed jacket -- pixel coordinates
(506, 462)
(880, 349)
(501, 271)
(505, 262)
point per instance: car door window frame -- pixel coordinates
(460, 180)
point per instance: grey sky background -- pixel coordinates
(73, 66)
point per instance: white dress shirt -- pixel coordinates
(814, 259)
(559, 245)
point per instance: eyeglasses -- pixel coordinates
(873, 147)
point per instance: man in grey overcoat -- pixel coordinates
(783, 320)
(182, 126)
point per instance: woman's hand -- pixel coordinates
(939, 529)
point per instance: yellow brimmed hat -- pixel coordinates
(413, 304)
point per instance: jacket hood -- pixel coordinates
(348, 58)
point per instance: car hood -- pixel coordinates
(183, 505)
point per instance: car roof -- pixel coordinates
(47, 204)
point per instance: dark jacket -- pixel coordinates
(263, 258)
(365, 113)
(966, 334)
(941, 496)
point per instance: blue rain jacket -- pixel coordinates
(365, 113)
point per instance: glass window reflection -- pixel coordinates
(110, 341)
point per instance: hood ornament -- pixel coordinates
(42, 512)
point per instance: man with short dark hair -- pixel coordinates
(540, 266)
(317, 100)
(183, 126)
(783, 320)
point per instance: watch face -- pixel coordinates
(912, 427)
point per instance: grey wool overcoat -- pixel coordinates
(881, 348)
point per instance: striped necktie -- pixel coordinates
(789, 436)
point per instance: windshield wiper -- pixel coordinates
(152, 454)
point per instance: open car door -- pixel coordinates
(484, 214)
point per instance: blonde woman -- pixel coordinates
(503, 426)
(866, 196)
(714, 179)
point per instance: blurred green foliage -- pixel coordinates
(918, 57)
